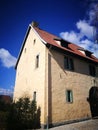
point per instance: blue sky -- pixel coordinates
(69, 19)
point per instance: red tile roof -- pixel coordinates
(50, 39)
(72, 48)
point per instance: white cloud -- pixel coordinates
(83, 38)
(95, 49)
(87, 44)
(93, 13)
(6, 58)
(6, 91)
(85, 29)
(70, 36)
(91, 16)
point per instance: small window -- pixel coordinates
(34, 96)
(25, 50)
(34, 41)
(69, 96)
(68, 63)
(37, 61)
(92, 70)
(64, 43)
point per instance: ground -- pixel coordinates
(84, 125)
(91, 124)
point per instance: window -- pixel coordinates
(37, 61)
(34, 41)
(34, 96)
(64, 44)
(25, 50)
(92, 70)
(69, 96)
(68, 63)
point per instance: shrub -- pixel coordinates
(24, 114)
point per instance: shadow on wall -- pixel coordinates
(59, 58)
(93, 100)
(49, 91)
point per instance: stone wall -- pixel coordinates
(60, 80)
(30, 79)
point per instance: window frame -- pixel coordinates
(68, 63)
(69, 96)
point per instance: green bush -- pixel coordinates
(21, 115)
(24, 114)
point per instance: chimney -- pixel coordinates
(35, 24)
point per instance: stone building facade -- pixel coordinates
(58, 74)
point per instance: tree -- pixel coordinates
(4, 111)
(24, 114)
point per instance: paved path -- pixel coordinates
(84, 125)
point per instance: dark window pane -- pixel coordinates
(37, 61)
(34, 96)
(71, 64)
(92, 70)
(68, 63)
(69, 96)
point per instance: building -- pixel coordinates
(58, 74)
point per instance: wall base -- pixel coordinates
(44, 126)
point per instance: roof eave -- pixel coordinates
(22, 46)
(71, 53)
